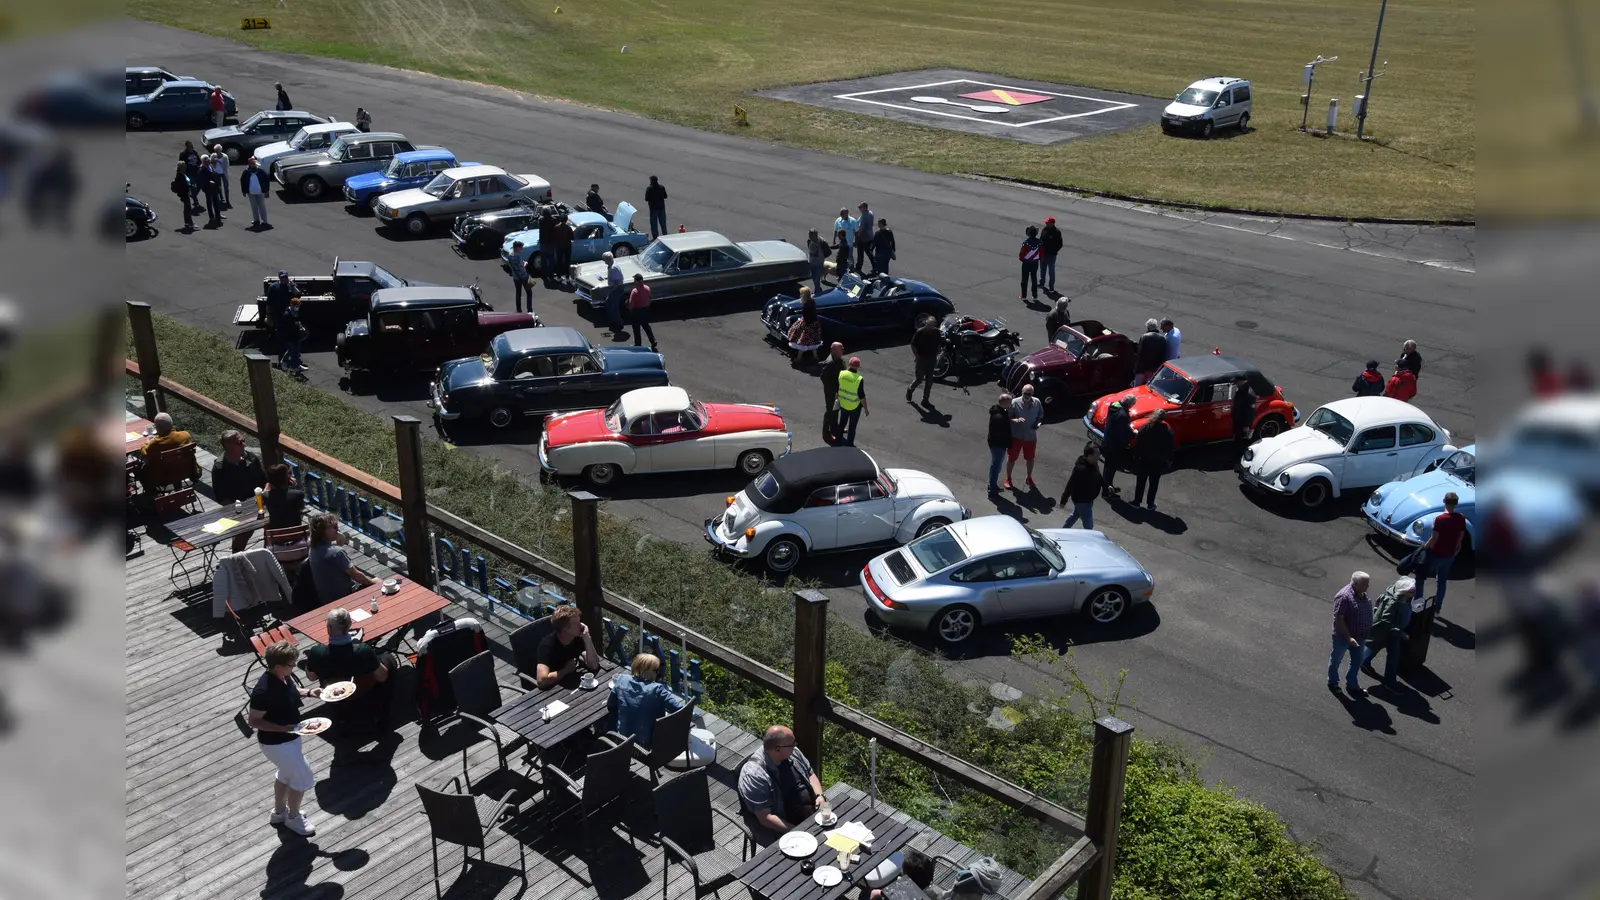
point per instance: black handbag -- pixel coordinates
(1412, 561)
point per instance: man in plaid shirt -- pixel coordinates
(1352, 622)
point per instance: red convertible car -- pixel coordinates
(1197, 393)
(1086, 359)
(659, 429)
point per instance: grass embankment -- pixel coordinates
(1180, 839)
(690, 62)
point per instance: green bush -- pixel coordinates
(1180, 839)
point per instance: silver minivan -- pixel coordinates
(1207, 105)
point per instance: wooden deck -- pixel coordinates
(198, 791)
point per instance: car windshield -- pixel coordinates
(488, 358)
(251, 122)
(1462, 465)
(614, 417)
(765, 485)
(395, 166)
(338, 150)
(1171, 384)
(299, 139)
(1048, 549)
(387, 279)
(1068, 340)
(937, 550)
(853, 286)
(1331, 424)
(655, 257)
(1197, 97)
(440, 183)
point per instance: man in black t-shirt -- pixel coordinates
(565, 648)
(925, 347)
(235, 476)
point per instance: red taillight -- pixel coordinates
(872, 585)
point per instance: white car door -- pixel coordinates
(1419, 445)
(865, 516)
(820, 518)
(676, 443)
(1372, 459)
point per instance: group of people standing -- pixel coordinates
(202, 173)
(858, 241)
(1402, 385)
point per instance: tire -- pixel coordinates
(234, 152)
(601, 474)
(932, 525)
(501, 417)
(1314, 493)
(312, 188)
(131, 229)
(622, 250)
(372, 204)
(417, 225)
(1244, 123)
(1271, 426)
(955, 625)
(136, 121)
(783, 553)
(1106, 605)
(752, 462)
(941, 364)
(1208, 129)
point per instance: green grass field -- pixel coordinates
(690, 61)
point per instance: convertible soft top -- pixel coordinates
(799, 474)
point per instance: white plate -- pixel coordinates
(798, 844)
(315, 725)
(827, 876)
(342, 690)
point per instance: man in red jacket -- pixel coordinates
(1402, 385)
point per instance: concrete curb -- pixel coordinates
(1232, 210)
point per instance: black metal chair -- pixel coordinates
(477, 696)
(465, 820)
(668, 741)
(525, 648)
(606, 777)
(688, 834)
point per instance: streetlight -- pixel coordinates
(1366, 97)
(1310, 75)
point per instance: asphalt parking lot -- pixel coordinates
(1230, 657)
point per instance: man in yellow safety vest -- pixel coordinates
(852, 402)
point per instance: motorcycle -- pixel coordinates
(971, 343)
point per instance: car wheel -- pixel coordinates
(1314, 493)
(234, 152)
(136, 120)
(783, 553)
(1271, 426)
(932, 525)
(130, 229)
(601, 474)
(417, 225)
(1208, 129)
(941, 364)
(955, 624)
(1106, 605)
(501, 417)
(1244, 123)
(622, 250)
(312, 187)
(372, 203)
(753, 462)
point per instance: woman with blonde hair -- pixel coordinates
(805, 333)
(275, 714)
(638, 700)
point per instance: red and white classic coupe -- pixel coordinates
(659, 429)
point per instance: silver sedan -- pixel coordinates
(995, 569)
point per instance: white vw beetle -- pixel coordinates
(659, 429)
(1353, 444)
(826, 500)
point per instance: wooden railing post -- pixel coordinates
(413, 497)
(1108, 774)
(810, 663)
(587, 591)
(144, 350)
(265, 400)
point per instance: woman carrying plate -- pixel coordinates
(275, 715)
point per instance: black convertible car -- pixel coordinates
(484, 232)
(879, 304)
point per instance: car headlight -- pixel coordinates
(1284, 479)
(391, 213)
(1249, 454)
(1416, 527)
(1375, 499)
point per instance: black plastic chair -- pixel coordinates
(477, 696)
(465, 820)
(668, 741)
(688, 834)
(525, 649)
(606, 777)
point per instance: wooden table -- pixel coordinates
(189, 537)
(777, 877)
(395, 611)
(585, 709)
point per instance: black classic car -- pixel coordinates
(418, 328)
(880, 304)
(138, 218)
(539, 370)
(328, 302)
(482, 233)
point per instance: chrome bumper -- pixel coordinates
(437, 405)
(718, 543)
(1251, 481)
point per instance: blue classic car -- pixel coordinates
(592, 236)
(862, 306)
(1404, 510)
(175, 103)
(411, 169)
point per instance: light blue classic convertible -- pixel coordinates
(592, 235)
(1404, 510)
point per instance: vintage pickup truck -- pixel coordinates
(327, 302)
(411, 329)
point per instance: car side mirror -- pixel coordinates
(1054, 574)
(1219, 105)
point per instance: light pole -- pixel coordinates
(1310, 76)
(1366, 97)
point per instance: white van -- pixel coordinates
(1207, 105)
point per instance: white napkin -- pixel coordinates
(359, 615)
(555, 708)
(855, 831)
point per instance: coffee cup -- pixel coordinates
(587, 681)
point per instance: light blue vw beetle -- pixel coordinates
(1404, 510)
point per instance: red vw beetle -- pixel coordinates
(1197, 393)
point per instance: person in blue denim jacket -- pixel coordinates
(638, 700)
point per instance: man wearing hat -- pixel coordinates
(1118, 435)
(1049, 245)
(852, 401)
(1370, 382)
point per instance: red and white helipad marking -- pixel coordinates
(996, 93)
(1009, 98)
